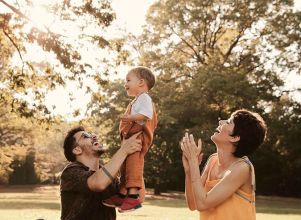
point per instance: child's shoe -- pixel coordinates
(114, 201)
(130, 204)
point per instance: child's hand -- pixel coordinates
(126, 118)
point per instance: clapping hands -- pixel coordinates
(190, 150)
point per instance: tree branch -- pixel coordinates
(16, 46)
(199, 58)
(15, 10)
(18, 12)
(183, 51)
(235, 42)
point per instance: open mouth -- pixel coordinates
(218, 131)
(96, 143)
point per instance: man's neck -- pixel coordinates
(92, 163)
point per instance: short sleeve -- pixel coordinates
(75, 179)
(144, 106)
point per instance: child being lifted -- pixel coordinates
(140, 116)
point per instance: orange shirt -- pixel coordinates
(239, 206)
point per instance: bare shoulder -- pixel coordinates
(241, 166)
(241, 169)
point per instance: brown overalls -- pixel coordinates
(132, 170)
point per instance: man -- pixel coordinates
(84, 183)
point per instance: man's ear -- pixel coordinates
(77, 150)
(235, 139)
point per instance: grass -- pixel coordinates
(30, 203)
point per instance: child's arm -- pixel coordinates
(137, 117)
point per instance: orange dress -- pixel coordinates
(241, 205)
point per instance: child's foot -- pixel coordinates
(114, 201)
(130, 204)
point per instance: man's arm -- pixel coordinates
(100, 180)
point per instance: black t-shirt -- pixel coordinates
(78, 202)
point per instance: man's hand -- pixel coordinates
(132, 144)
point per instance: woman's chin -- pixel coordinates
(213, 137)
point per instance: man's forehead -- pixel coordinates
(78, 134)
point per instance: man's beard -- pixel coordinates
(99, 152)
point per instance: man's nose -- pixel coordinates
(221, 122)
(94, 136)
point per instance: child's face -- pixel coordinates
(132, 84)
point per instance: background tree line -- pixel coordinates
(210, 58)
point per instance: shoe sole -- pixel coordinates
(110, 205)
(130, 210)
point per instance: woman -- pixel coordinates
(226, 188)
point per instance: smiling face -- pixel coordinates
(223, 132)
(133, 84)
(87, 143)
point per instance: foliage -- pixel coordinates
(65, 38)
(211, 58)
(30, 136)
(30, 150)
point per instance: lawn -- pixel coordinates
(30, 203)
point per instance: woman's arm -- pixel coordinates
(231, 182)
(188, 189)
(190, 198)
(228, 185)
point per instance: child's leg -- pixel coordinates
(132, 201)
(134, 181)
(123, 191)
(142, 192)
(133, 191)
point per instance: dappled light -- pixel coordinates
(63, 64)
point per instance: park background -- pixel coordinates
(63, 63)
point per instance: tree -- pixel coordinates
(211, 58)
(217, 57)
(65, 51)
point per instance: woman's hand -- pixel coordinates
(185, 162)
(190, 150)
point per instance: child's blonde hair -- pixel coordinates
(146, 74)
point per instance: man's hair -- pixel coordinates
(146, 74)
(70, 142)
(251, 129)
